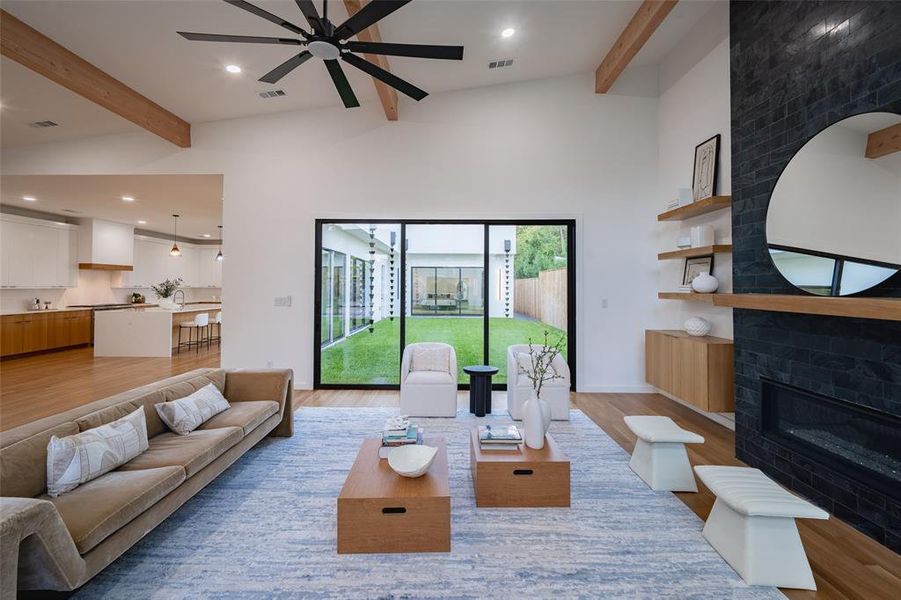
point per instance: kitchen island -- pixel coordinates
(150, 331)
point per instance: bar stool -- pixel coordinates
(200, 323)
(217, 321)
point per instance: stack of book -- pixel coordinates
(494, 437)
(399, 433)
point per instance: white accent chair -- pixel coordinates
(659, 457)
(752, 526)
(519, 388)
(428, 380)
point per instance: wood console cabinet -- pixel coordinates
(697, 370)
(21, 334)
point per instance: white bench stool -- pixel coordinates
(659, 457)
(752, 526)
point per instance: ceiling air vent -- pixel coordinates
(71, 212)
(272, 94)
(43, 124)
(500, 63)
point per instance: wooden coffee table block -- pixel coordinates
(525, 477)
(380, 511)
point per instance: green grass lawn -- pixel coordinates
(375, 357)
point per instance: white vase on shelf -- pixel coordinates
(536, 419)
(705, 284)
(697, 326)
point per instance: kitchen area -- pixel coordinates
(79, 256)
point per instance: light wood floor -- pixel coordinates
(846, 563)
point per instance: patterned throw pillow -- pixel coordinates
(187, 414)
(79, 458)
(432, 358)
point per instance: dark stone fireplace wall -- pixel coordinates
(797, 67)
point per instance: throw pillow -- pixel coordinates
(187, 414)
(79, 458)
(430, 358)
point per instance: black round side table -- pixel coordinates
(480, 388)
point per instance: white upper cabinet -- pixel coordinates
(197, 266)
(38, 254)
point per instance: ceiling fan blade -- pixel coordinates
(267, 15)
(415, 50)
(286, 67)
(379, 73)
(341, 84)
(372, 12)
(244, 39)
(312, 15)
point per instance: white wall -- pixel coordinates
(694, 106)
(539, 149)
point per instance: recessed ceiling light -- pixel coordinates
(142, 222)
(233, 68)
(128, 198)
(206, 235)
(508, 32)
(29, 198)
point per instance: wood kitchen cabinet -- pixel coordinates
(697, 370)
(21, 334)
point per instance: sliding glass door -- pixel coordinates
(478, 286)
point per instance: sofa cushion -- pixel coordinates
(429, 357)
(191, 452)
(246, 415)
(100, 507)
(428, 378)
(187, 414)
(76, 459)
(23, 465)
(149, 398)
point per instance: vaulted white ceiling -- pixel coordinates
(136, 42)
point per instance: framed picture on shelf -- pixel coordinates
(703, 178)
(694, 267)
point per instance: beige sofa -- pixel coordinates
(60, 543)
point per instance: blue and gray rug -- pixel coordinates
(266, 528)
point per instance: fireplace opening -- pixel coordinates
(861, 443)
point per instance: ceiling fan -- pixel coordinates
(330, 43)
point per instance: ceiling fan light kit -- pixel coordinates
(330, 44)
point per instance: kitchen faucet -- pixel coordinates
(177, 292)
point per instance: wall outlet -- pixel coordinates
(283, 301)
(269, 364)
(603, 303)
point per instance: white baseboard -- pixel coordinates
(616, 389)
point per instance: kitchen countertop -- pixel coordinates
(202, 306)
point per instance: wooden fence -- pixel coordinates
(543, 297)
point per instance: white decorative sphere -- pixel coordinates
(697, 326)
(705, 284)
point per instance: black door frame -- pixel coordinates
(570, 225)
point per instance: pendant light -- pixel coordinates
(219, 254)
(175, 251)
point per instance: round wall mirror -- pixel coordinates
(833, 226)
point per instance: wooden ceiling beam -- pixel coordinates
(387, 94)
(883, 142)
(34, 50)
(644, 23)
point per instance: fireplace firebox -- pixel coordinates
(862, 443)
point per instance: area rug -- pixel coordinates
(266, 528)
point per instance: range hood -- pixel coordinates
(105, 246)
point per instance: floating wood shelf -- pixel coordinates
(887, 309)
(693, 252)
(701, 207)
(689, 296)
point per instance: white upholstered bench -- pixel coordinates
(659, 457)
(752, 526)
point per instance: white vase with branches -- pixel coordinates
(539, 369)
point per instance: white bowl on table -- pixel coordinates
(413, 460)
